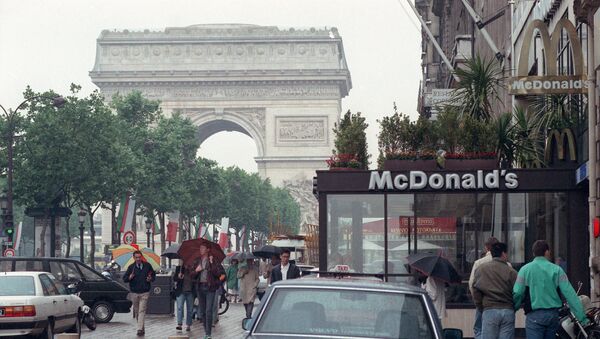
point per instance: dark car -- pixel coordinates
(345, 308)
(102, 295)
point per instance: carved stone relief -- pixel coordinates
(301, 191)
(167, 92)
(301, 129)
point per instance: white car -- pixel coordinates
(35, 303)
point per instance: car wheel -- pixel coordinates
(77, 327)
(48, 331)
(103, 311)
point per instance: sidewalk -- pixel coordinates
(163, 326)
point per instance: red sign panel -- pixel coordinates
(425, 225)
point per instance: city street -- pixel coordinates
(163, 326)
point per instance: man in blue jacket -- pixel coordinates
(544, 279)
(140, 275)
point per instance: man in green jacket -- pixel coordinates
(543, 278)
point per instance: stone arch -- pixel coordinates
(212, 122)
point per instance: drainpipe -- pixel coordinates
(591, 77)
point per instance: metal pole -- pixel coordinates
(433, 41)
(148, 238)
(592, 149)
(53, 232)
(81, 241)
(481, 26)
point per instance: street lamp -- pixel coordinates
(148, 227)
(57, 101)
(81, 215)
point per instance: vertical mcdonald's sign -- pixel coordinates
(552, 82)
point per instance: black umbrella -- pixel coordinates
(267, 251)
(434, 265)
(171, 252)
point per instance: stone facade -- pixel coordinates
(281, 87)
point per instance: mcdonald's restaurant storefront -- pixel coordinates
(370, 221)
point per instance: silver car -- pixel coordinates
(345, 308)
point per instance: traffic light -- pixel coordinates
(9, 230)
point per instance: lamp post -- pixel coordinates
(3, 205)
(10, 115)
(81, 215)
(148, 227)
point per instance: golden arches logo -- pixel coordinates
(552, 82)
(559, 137)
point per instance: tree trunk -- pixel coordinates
(67, 222)
(43, 237)
(115, 238)
(237, 241)
(92, 237)
(163, 242)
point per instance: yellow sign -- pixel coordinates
(558, 138)
(552, 82)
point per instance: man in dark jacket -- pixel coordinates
(492, 293)
(140, 275)
(285, 270)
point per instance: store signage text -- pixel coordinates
(552, 82)
(418, 180)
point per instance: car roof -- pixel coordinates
(38, 258)
(22, 273)
(349, 282)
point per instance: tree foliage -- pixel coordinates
(350, 138)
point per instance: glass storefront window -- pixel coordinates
(348, 239)
(454, 225)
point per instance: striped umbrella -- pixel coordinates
(123, 255)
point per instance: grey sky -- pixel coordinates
(50, 44)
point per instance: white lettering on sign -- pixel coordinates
(418, 180)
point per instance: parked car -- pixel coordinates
(104, 296)
(345, 308)
(36, 303)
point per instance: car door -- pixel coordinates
(55, 299)
(70, 304)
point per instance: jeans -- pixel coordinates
(542, 324)
(498, 323)
(188, 299)
(477, 324)
(206, 302)
(140, 303)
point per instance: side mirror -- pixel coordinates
(246, 323)
(72, 289)
(452, 333)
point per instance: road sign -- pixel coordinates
(129, 238)
(9, 252)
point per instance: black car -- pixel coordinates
(102, 295)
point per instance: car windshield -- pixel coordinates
(16, 286)
(345, 312)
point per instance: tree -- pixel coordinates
(350, 138)
(477, 88)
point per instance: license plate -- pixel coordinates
(1, 312)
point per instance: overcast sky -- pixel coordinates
(50, 44)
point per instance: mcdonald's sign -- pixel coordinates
(552, 82)
(558, 138)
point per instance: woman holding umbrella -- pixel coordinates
(249, 286)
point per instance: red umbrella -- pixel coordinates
(190, 250)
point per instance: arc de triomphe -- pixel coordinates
(281, 87)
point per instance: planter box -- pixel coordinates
(450, 165)
(344, 169)
(410, 165)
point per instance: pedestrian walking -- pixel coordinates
(232, 281)
(492, 287)
(139, 275)
(268, 268)
(285, 270)
(436, 289)
(487, 258)
(541, 280)
(208, 273)
(249, 279)
(184, 295)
